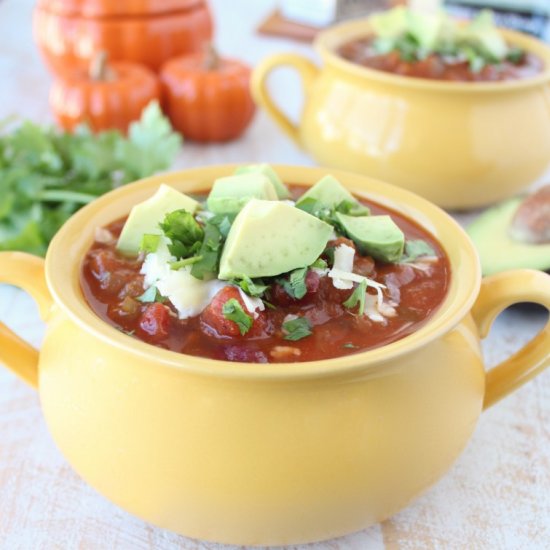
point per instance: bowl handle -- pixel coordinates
(25, 271)
(308, 73)
(497, 293)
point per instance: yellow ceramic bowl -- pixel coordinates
(460, 145)
(264, 454)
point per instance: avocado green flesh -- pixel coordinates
(268, 238)
(329, 192)
(497, 250)
(146, 216)
(266, 170)
(377, 236)
(231, 193)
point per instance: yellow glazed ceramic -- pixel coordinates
(460, 145)
(264, 454)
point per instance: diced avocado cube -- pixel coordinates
(329, 192)
(268, 238)
(484, 31)
(376, 236)
(231, 193)
(145, 217)
(267, 170)
(389, 23)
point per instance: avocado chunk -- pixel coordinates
(376, 236)
(145, 217)
(266, 170)
(497, 248)
(272, 237)
(231, 193)
(482, 30)
(329, 192)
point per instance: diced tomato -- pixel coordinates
(111, 270)
(212, 318)
(155, 321)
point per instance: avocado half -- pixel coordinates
(497, 250)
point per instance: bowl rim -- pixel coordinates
(75, 237)
(328, 40)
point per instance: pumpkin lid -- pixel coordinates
(109, 8)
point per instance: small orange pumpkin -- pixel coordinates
(109, 96)
(206, 97)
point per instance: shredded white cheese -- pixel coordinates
(251, 304)
(343, 263)
(188, 294)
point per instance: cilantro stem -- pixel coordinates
(60, 195)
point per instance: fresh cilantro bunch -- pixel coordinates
(47, 175)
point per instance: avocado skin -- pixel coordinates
(497, 250)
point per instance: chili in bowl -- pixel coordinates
(263, 453)
(227, 280)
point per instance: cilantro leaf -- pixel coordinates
(149, 243)
(349, 345)
(46, 175)
(233, 311)
(178, 264)
(415, 249)
(185, 233)
(295, 284)
(150, 295)
(358, 296)
(250, 287)
(319, 263)
(296, 329)
(209, 253)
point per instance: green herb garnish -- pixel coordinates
(297, 329)
(358, 296)
(151, 295)
(47, 175)
(149, 243)
(295, 285)
(349, 345)
(209, 253)
(233, 311)
(319, 263)
(251, 287)
(184, 232)
(178, 264)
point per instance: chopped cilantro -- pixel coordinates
(358, 297)
(297, 329)
(233, 311)
(415, 249)
(352, 208)
(149, 243)
(319, 263)
(178, 264)
(209, 253)
(185, 233)
(349, 345)
(295, 285)
(150, 295)
(252, 288)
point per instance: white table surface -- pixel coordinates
(497, 495)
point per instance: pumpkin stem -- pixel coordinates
(99, 67)
(212, 59)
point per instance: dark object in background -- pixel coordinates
(528, 16)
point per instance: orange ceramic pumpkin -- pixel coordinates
(206, 97)
(107, 97)
(70, 32)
